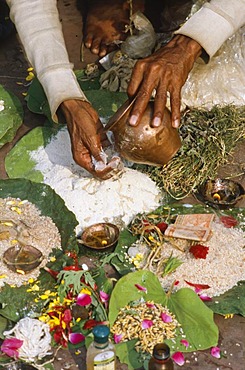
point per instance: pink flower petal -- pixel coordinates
(215, 352)
(76, 338)
(185, 343)
(118, 338)
(205, 297)
(150, 305)
(83, 299)
(178, 358)
(165, 317)
(140, 287)
(104, 296)
(146, 324)
(10, 347)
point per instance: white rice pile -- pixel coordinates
(91, 200)
(223, 267)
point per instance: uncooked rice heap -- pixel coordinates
(22, 222)
(116, 200)
(222, 269)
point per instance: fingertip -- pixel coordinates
(133, 120)
(156, 122)
(176, 123)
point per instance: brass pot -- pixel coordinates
(143, 143)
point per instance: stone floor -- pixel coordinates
(13, 66)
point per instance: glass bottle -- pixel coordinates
(101, 352)
(161, 359)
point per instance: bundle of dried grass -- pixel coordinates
(208, 138)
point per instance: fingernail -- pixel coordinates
(156, 122)
(176, 123)
(133, 120)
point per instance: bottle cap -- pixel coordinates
(101, 333)
(161, 351)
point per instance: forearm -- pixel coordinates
(38, 26)
(214, 23)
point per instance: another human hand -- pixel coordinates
(87, 138)
(165, 71)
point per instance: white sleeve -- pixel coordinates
(214, 23)
(39, 28)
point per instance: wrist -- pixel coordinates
(188, 45)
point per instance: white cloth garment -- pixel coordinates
(39, 28)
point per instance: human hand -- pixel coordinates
(166, 71)
(87, 137)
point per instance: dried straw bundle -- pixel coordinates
(208, 138)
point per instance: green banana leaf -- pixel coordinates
(194, 316)
(231, 302)
(11, 116)
(18, 162)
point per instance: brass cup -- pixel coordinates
(143, 143)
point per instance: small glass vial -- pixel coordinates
(161, 359)
(101, 352)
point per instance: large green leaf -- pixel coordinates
(231, 302)
(125, 291)
(18, 162)
(49, 203)
(196, 320)
(127, 354)
(11, 117)
(195, 317)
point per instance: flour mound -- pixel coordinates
(91, 200)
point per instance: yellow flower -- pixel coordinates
(52, 259)
(34, 288)
(85, 291)
(44, 318)
(16, 209)
(3, 276)
(44, 296)
(229, 316)
(30, 76)
(31, 281)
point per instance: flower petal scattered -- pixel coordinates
(165, 317)
(76, 338)
(185, 343)
(204, 297)
(118, 338)
(10, 347)
(198, 286)
(178, 358)
(84, 299)
(140, 287)
(104, 296)
(228, 221)
(146, 324)
(199, 251)
(215, 352)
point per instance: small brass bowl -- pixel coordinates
(22, 259)
(142, 143)
(221, 193)
(101, 237)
